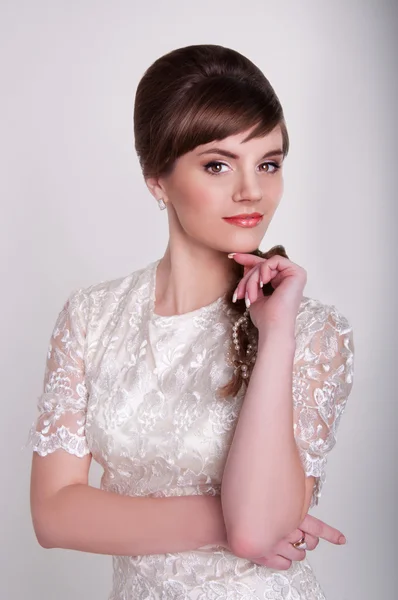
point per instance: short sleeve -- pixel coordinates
(62, 404)
(322, 382)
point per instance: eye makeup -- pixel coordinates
(216, 163)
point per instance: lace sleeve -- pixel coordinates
(62, 404)
(322, 382)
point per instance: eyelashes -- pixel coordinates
(216, 163)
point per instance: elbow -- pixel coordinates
(44, 543)
(261, 542)
(43, 539)
(244, 546)
(44, 531)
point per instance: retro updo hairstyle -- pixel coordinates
(192, 96)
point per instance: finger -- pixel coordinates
(273, 269)
(265, 276)
(252, 287)
(311, 541)
(295, 535)
(240, 289)
(248, 260)
(282, 267)
(319, 529)
(285, 548)
(267, 272)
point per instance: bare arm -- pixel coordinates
(263, 488)
(262, 467)
(68, 513)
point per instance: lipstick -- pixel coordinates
(245, 220)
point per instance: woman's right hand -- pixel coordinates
(284, 553)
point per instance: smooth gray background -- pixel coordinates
(75, 211)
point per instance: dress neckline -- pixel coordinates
(208, 308)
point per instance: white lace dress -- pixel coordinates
(138, 391)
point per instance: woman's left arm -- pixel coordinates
(263, 487)
(294, 401)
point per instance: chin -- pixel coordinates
(234, 243)
(245, 246)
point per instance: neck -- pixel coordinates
(188, 279)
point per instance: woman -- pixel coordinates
(206, 385)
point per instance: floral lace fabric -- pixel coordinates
(138, 392)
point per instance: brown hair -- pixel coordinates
(192, 96)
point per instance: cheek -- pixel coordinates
(198, 199)
(273, 184)
(273, 190)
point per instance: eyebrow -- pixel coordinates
(277, 151)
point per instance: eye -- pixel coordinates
(214, 167)
(214, 164)
(275, 166)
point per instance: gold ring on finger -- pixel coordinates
(300, 544)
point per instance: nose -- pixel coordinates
(248, 188)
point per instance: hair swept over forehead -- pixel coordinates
(198, 94)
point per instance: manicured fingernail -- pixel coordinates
(261, 284)
(247, 301)
(235, 296)
(231, 255)
(342, 540)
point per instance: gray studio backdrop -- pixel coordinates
(75, 211)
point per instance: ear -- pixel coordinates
(155, 187)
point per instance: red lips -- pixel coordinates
(245, 220)
(254, 215)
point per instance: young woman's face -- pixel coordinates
(224, 179)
